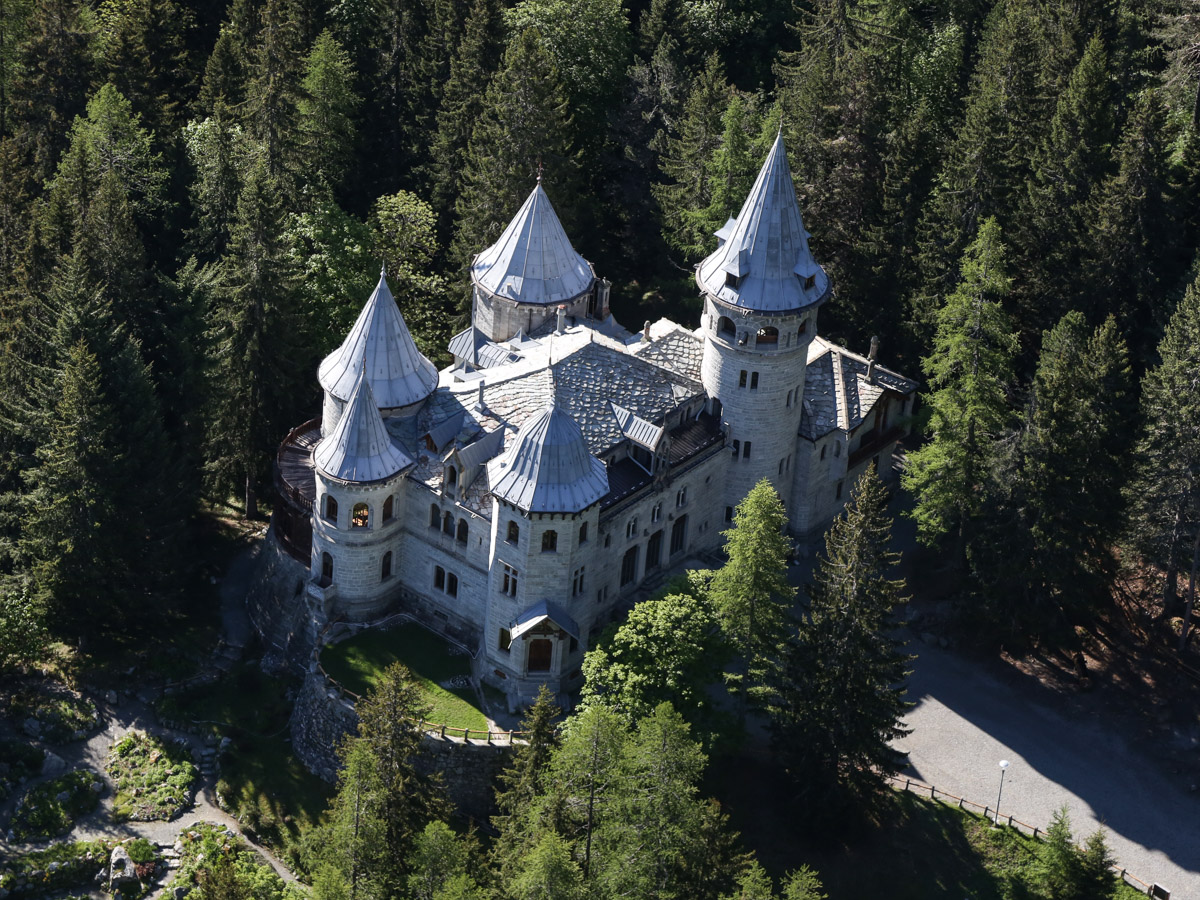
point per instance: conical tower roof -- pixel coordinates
(549, 468)
(398, 373)
(533, 262)
(762, 260)
(359, 448)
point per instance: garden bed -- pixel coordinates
(72, 866)
(54, 717)
(18, 761)
(442, 671)
(153, 780)
(51, 808)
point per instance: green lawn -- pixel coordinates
(357, 662)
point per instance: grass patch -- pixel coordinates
(61, 717)
(17, 760)
(356, 663)
(51, 808)
(153, 780)
(262, 783)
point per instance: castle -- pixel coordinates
(518, 497)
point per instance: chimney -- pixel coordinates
(479, 407)
(874, 351)
(561, 320)
(646, 332)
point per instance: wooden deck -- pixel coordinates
(294, 465)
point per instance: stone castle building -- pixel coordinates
(516, 499)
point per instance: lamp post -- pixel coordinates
(1003, 769)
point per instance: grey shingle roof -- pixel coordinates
(548, 467)
(399, 374)
(636, 428)
(359, 448)
(679, 350)
(533, 262)
(543, 611)
(837, 392)
(765, 247)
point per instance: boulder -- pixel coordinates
(120, 867)
(53, 764)
(32, 727)
(62, 796)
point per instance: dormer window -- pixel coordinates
(732, 281)
(810, 281)
(451, 481)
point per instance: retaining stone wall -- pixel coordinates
(279, 608)
(468, 770)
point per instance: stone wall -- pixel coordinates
(469, 768)
(280, 610)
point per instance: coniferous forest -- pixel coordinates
(196, 197)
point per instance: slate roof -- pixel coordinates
(765, 247)
(542, 611)
(673, 347)
(533, 262)
(548, 467)
(645, 434)
(399, 374)
(359, 448)
(473, 346)
(837, 392)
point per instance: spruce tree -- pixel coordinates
(838, 692)
(354, 840)
(220, 154)
(751, 593)
(1164, 494)
(252, 374)
(273, 88)
(969, 372)
(224, 79)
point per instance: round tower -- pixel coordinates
(761, 291)
(357, 511)
(532, 272)
(401, 378)
(546, 491)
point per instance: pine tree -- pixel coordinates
(440, 857)
(252, 374)
(224, 80)
(525, 123)
(23, 633)
(969, 371)
(14, 27)
(220, 154)
(1059, 864)
(353, 841)
(1164, 494)
(751, 593)
(326, 110)
(839, 690)
(273, 89)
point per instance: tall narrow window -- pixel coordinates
(742, 379)
(505, 642)
(326, 570)
(385, 570)
(754, 381)
(435, 516)
(508, 583)
(681, 497)
(448, 524)
(678, 535)
(462, 531)
(629, 566)
(439, 578)
(823, 448)
(583, 533)
(656, 513)
(654, 551)
(331, 509)
(577, 582)
(789, 400)
(451, 584)
(451, 480)
(839, 491)
(746, 450)
(729, 514)
(514, 533)
(737, 447)
(389, 508)
(360, 517)
(631, 528)
(549, 541)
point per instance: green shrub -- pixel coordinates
(17, 760)
(211, 851)
(153, 780)
(51, 808)
(62, 717)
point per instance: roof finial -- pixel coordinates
(382, 267)
(539, 178)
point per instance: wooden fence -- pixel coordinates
(909, 784)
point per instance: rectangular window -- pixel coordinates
(583, 533)
(629, 566)
(439, 578)
(509, 581)
(742, 379)
(452, 584)
(678, 535)
(577, 582)
(631, 528)
(839, 491)
(654, 551)
(729, 514)
(505, 642)
(780, 471)
(754, 381)
(789, 399)
(681, 497)
(737, 447)
(746, 450)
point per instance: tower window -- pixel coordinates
(326, 570)
(462, 531)
(742, 379)
(577, 582)
(732, 281)
(803, 327)
(435, 516)
(629, 566)
(631, 528)
(767, 336)
(754, 381)
(681, 497)
(439, 578)
(725, 327)
(810, 281)
(737, 448)
(729, 514)
(514, 533)
(360, 517)
(451, 584)
(508, 584)
(789, 400)
(451, 480)
(389, 509)
(839, 491)
(447, 524)
(746, 450)
(583, 533)
(331, 509)
(656, 513)
(385, 569)
(549, 541)
(505, 642)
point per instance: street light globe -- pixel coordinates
(1004, 764)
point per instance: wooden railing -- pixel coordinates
(286, 490)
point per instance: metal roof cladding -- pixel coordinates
(762, 260)
(399, 374)
(549, 468)
(360, 449)
(533, 262)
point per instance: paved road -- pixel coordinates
(967, 720)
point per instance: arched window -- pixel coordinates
(360, 516)
(439, 578)
(631, 528)
(385, 570)
(389, 509)
(331, 509)
(448, 524)
(549, 541)
(326, 569)
(725, 327)
(462, 531)
(823, 449)
(451, 584)
(768, 336)
(514, 533)
(435, 516)
(451, 480)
